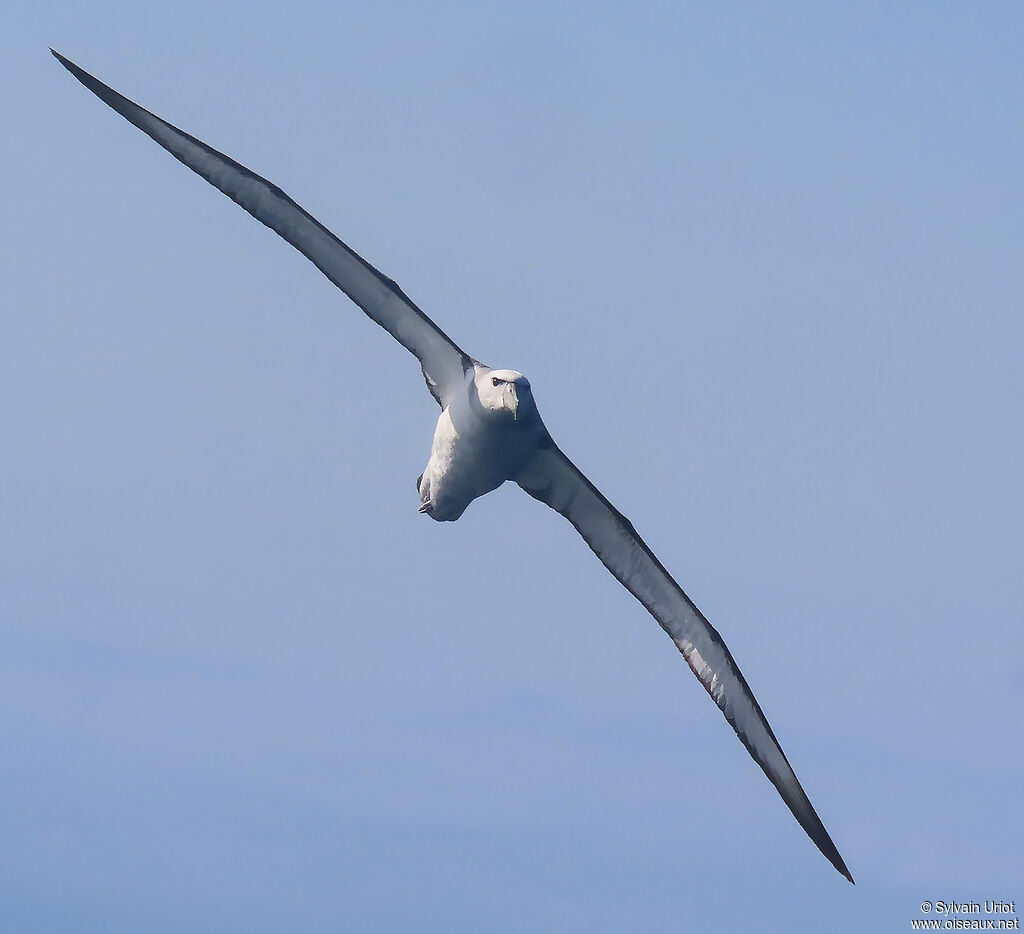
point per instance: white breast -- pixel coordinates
(471, 455)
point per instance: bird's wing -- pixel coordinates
(553, 479)
(444, 364)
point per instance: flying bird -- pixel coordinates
(490, 431)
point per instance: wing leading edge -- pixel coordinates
(444, 364)
(553, 479)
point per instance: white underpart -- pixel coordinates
(476, 449)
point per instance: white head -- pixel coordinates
(505, 392)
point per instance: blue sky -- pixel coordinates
(762, 267)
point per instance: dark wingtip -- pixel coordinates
(67, 63)
(836, 860)
(824, 843)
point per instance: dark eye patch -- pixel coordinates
(495, 381)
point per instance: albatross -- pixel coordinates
(490, 431)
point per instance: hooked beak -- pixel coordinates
(513, 400)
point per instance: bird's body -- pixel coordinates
(479, 441)
(490, 431)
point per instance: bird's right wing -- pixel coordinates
(553, 479)
(444, 364)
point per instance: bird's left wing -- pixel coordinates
(553, 479)
(444, 364)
